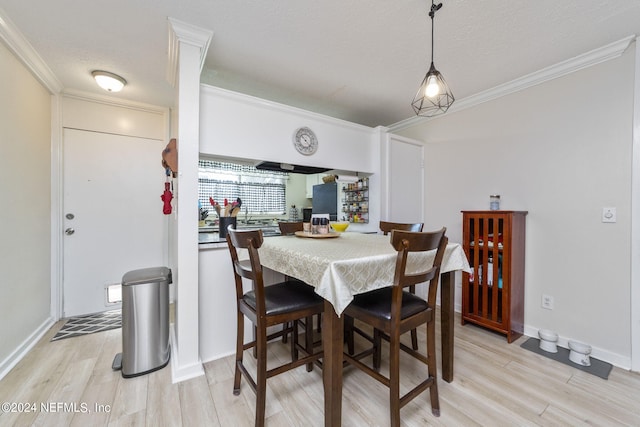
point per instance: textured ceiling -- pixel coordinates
(359, 60)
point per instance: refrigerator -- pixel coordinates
(325, 200)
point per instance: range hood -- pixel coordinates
(286, 167)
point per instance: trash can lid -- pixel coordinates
(147, 275)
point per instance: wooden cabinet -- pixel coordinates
(493, 295)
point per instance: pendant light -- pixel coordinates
(434, 96)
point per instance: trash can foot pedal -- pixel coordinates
(117, 362)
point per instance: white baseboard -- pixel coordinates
(18, 354)
(218, 356)
(181, 373)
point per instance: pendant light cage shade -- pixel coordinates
(434, 96)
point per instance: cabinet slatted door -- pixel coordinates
(493, 295)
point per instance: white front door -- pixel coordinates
(113, 216)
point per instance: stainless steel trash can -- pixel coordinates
(145, 321)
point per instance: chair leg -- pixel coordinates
(239, 353)
(348, 334)
(294, 341)
(308, 340)
(261, 377)
(414, 333)
(285, 325)
(255, 338)
(319, 325)
(414, 339)
(377, 349)
(433, 368)
(394, 379)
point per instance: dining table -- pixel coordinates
(342, 265)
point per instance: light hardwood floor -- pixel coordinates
(496, 384)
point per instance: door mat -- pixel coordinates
(598, 367)
(83, 325)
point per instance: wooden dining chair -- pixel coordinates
(265, 306)
(386, 228)
(287, 228)
(393, 311)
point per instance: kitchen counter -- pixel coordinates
(208, 237)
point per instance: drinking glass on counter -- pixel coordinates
(324, 226)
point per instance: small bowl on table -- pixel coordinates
(339, 226)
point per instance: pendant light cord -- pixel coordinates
(432, 14)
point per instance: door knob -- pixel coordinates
(69, 231)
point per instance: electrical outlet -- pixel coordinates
(609, 215)
(547, 302)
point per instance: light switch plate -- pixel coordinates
(609, 215)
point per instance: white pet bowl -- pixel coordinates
(548, 340)
(579, 353)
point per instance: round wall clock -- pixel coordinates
(305, 141)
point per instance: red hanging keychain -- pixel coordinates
(167, 196)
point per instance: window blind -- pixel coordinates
(261, 192)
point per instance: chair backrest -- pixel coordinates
(387, 227)
(251, 269)
(287, 228)
(408, 242)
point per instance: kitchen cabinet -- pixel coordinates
(355, 201)
(313, 179)
(493, 294)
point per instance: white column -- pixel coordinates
(188, 47)
(635, 221)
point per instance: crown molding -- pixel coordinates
(593, 57)
(276, 106)
(114, 102)
(181, 32)
(23, 50)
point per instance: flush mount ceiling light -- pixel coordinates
(109, 81)
(434, 96)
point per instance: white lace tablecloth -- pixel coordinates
(339, 268)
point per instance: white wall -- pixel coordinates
(241, 126)
(25, 252)
(106, 115)
(562, 151)
(217, 304)
(296, 192)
